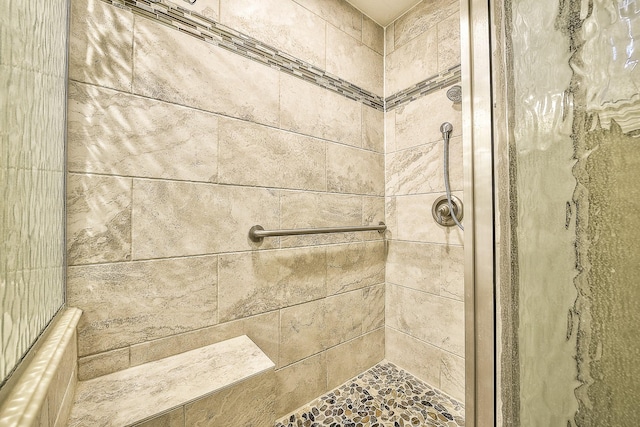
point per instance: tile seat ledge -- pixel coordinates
(142, 392)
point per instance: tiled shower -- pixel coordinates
(186, 129)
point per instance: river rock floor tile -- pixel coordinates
(383, 396)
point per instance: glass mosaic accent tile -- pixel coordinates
(383, 396)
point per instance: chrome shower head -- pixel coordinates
(455, 94)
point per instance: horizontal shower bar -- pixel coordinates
(257, 233)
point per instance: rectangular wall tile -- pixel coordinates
(412, 63)
(303, 331)
(452, 284)
(98, 219)
(128, 303)
(373, 214)
(202, 75)
(352, 170)
(426, 15)
(207, 8)
(413, 355)
(452, 376)
(178, 218)
(449, 42)
(173, 418)
(101, 364)
(293, 29)
(355, 266)
(257, 282)
(389, 38)
(338, 13)
(312, 110)
(344, 317)
(415, 265)
(373, 304)
(435, 320)
(101, 44)
(372, 35)
(372, 129)
(416, 223)
(251, 154)
(114, 133)
(347, 360)
(353, 61)
(300, 383)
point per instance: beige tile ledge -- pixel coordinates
(139, 393)
(23, 404)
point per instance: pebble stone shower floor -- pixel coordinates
(383, 396)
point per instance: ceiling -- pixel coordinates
(384, 12)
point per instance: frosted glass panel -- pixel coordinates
(576, 101)
(32, 127)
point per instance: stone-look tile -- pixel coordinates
(372, 214)
(315, 111)
(372, 129)
(372, 35)
(391, 217)
(421, 169)
(101, 364)
(66, 404)
(416, 223)
(208, 8)
(248, 403)
(353, 357)
(412, 63)
(452, 374)
(173, 418)
(344, 317)
(352, 170)
(373, 305)
(316, 210)
(257, 155)
(293, 29)
(354, 266)
(452, 283)
(417, 357)
(63, 384)
(98, 219)
(415, 265)
(390, 131)
(101, 44)
(418, 122)
(338, 13)
(424, 16)
(353, 61)
(258, 282)
(128, 303)
(264, 330)
(119, 134)
(390, 38)
(177, 218)
(303, 331)
(299, 383)
(202, 75)
(430, 318)
(449, 42)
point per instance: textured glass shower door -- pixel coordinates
(570, 306)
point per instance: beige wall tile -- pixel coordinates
(372, 35)
(208, 8)
(303, 331)
(352, 170)
(430, 318)
(202, 75)
(353, 61)
(424, 16)
(315, 210)
(344, 317)
(354, 266)
(372, 214)
(412, 63)
(390, 131)
(391, 217)
(248, 403)
(389, 38)
(300, 383)
(173, 418)
(315, 111)
(373, 305)
(98, 219)
(177, 218)
(282, 24)
(338, 13)
(252, 154)
(354, 357)
(418, 122)
(372, 129)
(119, 134)
(452, 373)
(264, 330)
(63, 383)
(416, 223)
(101, 44)
(452, 284)
(413, 355)
(415, 265)
(101, 364)
(66, 405)
(128, 303)
(257, 282)
(449, 42)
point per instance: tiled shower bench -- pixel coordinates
(230, 383)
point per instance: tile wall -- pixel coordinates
(178, 146)
(424, 270)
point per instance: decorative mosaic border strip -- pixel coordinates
(432, 84)
(213, 32)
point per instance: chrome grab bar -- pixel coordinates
(257, 233)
